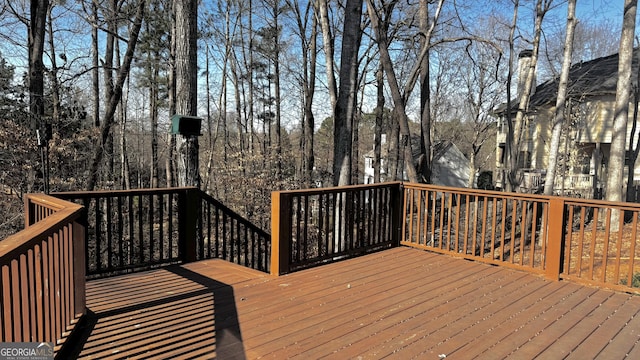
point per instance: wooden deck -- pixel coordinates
(401, 303)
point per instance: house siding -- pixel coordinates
(598, 115)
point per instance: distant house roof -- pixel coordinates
(415, 148)
(587, 78)
(439, 148)
(590, 78)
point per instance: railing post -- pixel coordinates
(28, 212)
(79, 267)
(280, 232)
(188, 221)
(555, 236)
(397, 202)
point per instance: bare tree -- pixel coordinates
(615, 178)
(308, 83)
(559, 116)
(425, 91)
(634, 140)
(114, 99)
(400, 97)
(516, 130)
(322, 11)
(483, 85)
(186, 17)
(345, 109)
(377, 138)
(37, 28)
(95, 71)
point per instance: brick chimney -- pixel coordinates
(524, 62)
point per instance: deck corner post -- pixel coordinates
(280, 232)
(397, 201)
(553, 266)
(188, 223)
(79, 231)
(29, 211)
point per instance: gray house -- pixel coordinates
(450, 166)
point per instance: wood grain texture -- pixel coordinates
(401, 303)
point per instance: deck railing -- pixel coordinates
(42, 268)
(222, 233)
(588, 241)
(558, 237)
(576, 185)
(131, 230)
(42, 292)
(316, 226)
(495, 227)
(601, 244)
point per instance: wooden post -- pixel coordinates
(30, 215)
(79, 265)
(280, 233)
(397, 202)
(188, 221)
(555, 234)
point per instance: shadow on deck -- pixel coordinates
(176, 312)
(400, 303)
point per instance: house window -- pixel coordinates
(585, 165)
(502, 126)
(524, 160)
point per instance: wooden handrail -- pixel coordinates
(42, 270)
(134, 230)
(558, 237)
(584, 240)
(317, 226)
(499, 228)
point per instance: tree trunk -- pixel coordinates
(207, 170)
(113, 101)
(472, 168)
(95, 71)
(393, 150)
(633, 153)
(425, 94)
(186, 16)
(634, 144)
(125, 174)
(154, 72)
(519, 130)
(377, 139)
(250, 101)
(309, 60)
(509, 150)
(276, 85)
(55, 85)
(559, 117)
(346, 102)
(398, 100)
(615, 172)
(328, 40)
(171, 161)
(37, 25)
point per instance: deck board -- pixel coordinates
(401, 303)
